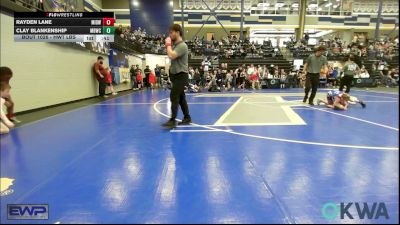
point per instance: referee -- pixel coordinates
(313, 67)
(178, 53)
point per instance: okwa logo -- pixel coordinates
(364, 210)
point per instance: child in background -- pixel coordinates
(139, 79)
(108, 81)
(5, 123)
(166, 84)
(255, 83)
(283, 78)
(152, 79)
(5, 76)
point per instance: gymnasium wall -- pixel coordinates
(153, 60)
(218, 32)
(46, 73)
(137, 60)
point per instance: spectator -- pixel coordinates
(191, 75)
(139, 79)
(119, 31)
(363, 72)
(157, 71)
(152, 79)
(292, 78)
(229, 79)
(276, 74)
(146, 76)
(133, 72)
(283, 78)
(197, 77)
(254, 78)
(165, 79)
(250, 70)
(5, 76)
(388, 80)
(5, 123)
(333, 76)
(100, 72)
(264, 73)
(108, 81)
(242, 76)
(206, 66)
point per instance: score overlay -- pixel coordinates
(64, 27)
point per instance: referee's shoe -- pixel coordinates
(185, 121)
(170, 124)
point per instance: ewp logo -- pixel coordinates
(331, 211)
(27, 212)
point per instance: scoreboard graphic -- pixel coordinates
(64, 26)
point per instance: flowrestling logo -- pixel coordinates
(364, 210)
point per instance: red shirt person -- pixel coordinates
(108, 78)
(100, 73)
(139, 79)
(152, 78)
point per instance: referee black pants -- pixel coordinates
(346, 80)
(177, 96)
(312, 81)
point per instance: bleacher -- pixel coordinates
(233, 64)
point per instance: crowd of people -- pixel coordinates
(380, 52)
(143, 41)
(385, 49)
(148, 78)
(218, 78)
(232, 47)
(214, 77)
(228, 47)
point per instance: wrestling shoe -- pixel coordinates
(363, 104)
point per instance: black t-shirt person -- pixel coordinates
(147, 72)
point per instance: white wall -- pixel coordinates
(153, 60)
(136, 60)
(46, 73)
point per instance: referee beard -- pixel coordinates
(178, 53)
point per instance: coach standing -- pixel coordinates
(178, 53)
(350, 69)
(314, 64)
(100, 72)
